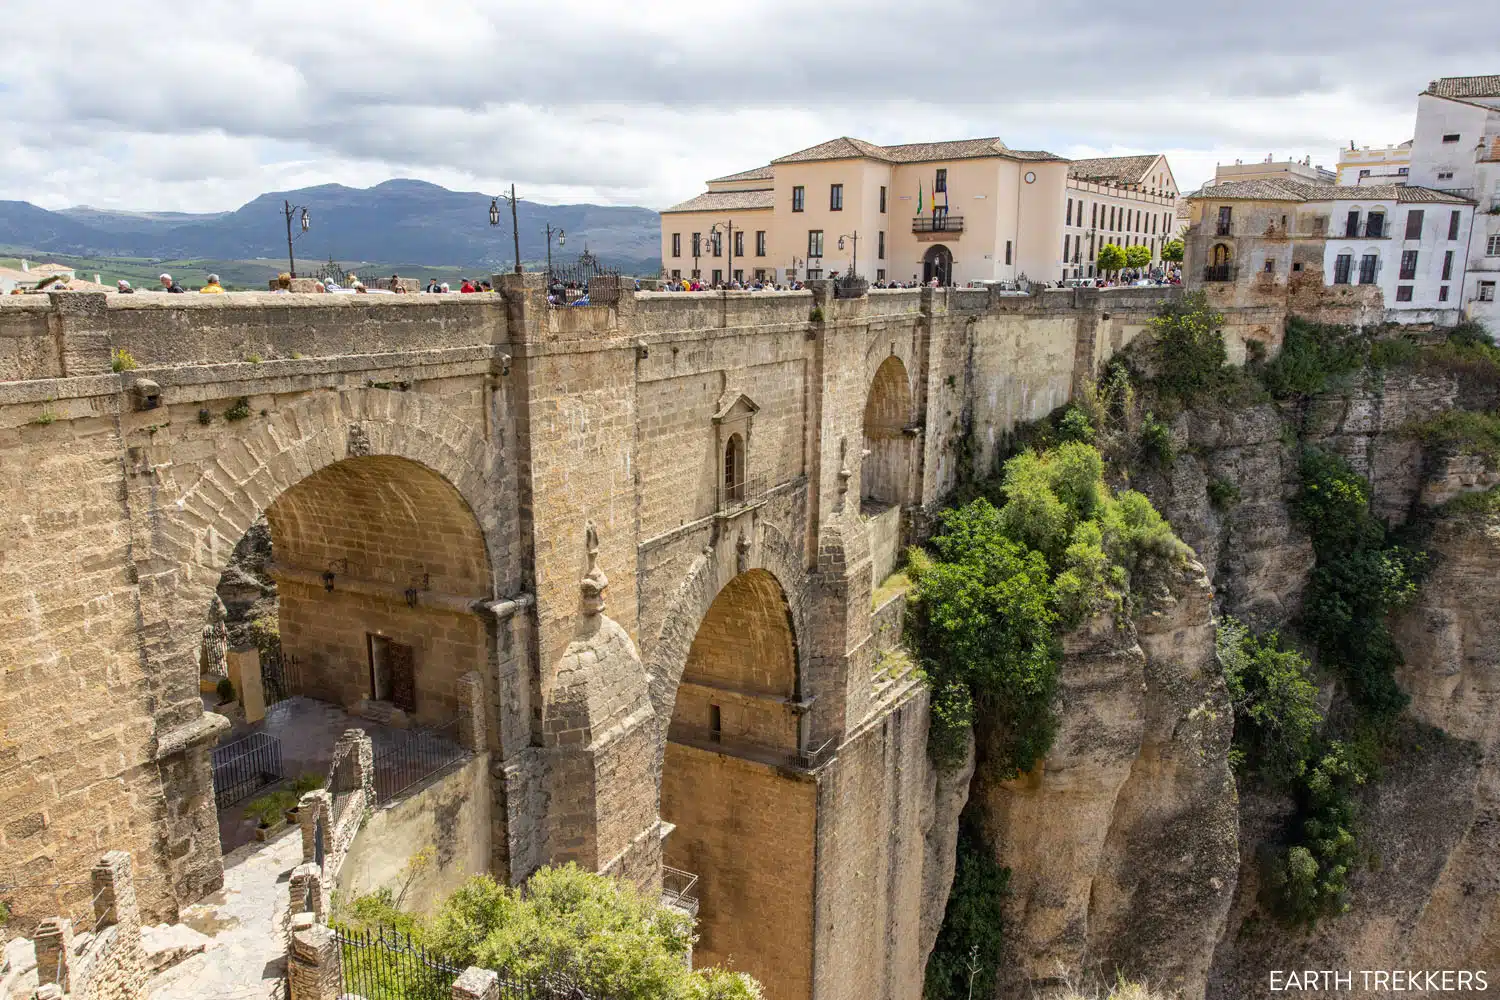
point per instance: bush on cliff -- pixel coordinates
(1276, 715)
(966, 958)
(999, 580)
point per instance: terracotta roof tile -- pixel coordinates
(845, 148)
(1124, 169)
(1285, 190)
(764, 173)
(726, 201)
(1465, 86)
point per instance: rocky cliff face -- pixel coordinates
(1122, 844)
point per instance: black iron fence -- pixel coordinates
(1218, 272)
(414, 757)
(280, 675)
(941, 223)
(383, 964)
(244, 767)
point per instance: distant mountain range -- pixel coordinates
(405, 221)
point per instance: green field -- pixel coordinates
(236, 275)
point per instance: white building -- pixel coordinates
(1120, 200)
(1303, 170)
(1457, 149)
(1375, 164)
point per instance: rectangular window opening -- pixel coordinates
(798, 195)
(835, 197)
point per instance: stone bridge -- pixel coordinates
(651, 529)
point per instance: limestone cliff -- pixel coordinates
(1122, 844)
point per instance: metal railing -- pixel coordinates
(679, 889)
(387, 965)
(738, 494)
(280, 676)
(384, 964)
(938, 224)
(1218, 272)
(413, 759)
(244, 767)
(704, 738)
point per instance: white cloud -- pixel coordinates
(577, 100)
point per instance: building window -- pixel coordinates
(798, 194)
(734, 472)
(697, 244)
(1403, 293)
(760, 243)
(739, 275)
(1066, 239)
(1270, 267)
(1451, 137)
(1408, 265)
(1492, 248)
(1153, 224)
(1070, 212)
(1445, 175)
(1443, 293)
(1368, 264)
(1351, 225)
(1226, 216)
(1007, 252)
(676, 244)
(815, 242)
(739, 243)
(880, 245)
(940, 183)
(718, 276)
(1094, 222)
(1402, 171)
(1112, 218)
(1414, 224)
(676, 274)
(814, 273)
(1486, 291)
(1375, 226)
(697, 274)
(760, 274)
(1297, 266)
(882, 197)
(1363, 174)
(835, 197)
(718, 243)
(1453, 221)
(1448, 266)
(1341, 267)
(880, 274)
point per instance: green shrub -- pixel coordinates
(1188, 348)
(816, 316)
(1276, 715)
(239, 411)
(1223, 493)
(45, 418)
(225, 690)
(1310, 879)
(271, 809)
(1313, 355)
(950, 719)
(1156, 442)
(1462, 432)
(1075, 426)
(970, 944)
(305, 783)
(1395, 352)
(120, 360)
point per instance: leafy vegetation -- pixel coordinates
(1188, 353)
(224, 690)
(1310, 879)
(1359, 578)
(1173, 251)
(270, 809)
(1156, 442)
(987, 599)
(1223, 493)
(965, 961)
(1137, 256)
(1276, 715)
(1462, 432)
(1111, 258)
(592, 930)
(121, 360)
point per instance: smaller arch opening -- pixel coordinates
(734, 470)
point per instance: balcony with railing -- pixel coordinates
(742, 493)
(679, 890)
(938, 224)
(1218, 272)
(705, 738)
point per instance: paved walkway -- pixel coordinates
(245, 920)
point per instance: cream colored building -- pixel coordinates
(1123, 200)
(1375, 164)
(1270, 169)
(959, 212)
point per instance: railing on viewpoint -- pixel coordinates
(280, 676)
(384, 964)
(679, 889)
(809, 759)
(387, 965)
(1218, 272)
(745, 491)
(938, 224)
(244, 767)
(414, 757)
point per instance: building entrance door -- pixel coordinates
(938, 263)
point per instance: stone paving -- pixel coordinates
(247, 955)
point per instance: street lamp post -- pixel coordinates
(854, 264)
(514, 227)
(562, 238)
(729, 226)
(289, 210)
(797, 263)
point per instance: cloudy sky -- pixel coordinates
(200, 107)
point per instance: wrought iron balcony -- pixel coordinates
(679, 889)
(746, 491)
(938, 224)
(1218, 272)
(705, 738)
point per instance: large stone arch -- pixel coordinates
(769, 549)
(885, 471)
(195, 510)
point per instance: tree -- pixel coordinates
(1111, 258)
(1189, 349)
(1172, 251)
(1137, 256)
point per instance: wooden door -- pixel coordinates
(403, 677)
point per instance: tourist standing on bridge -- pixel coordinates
(168, 285)
(213, 287)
